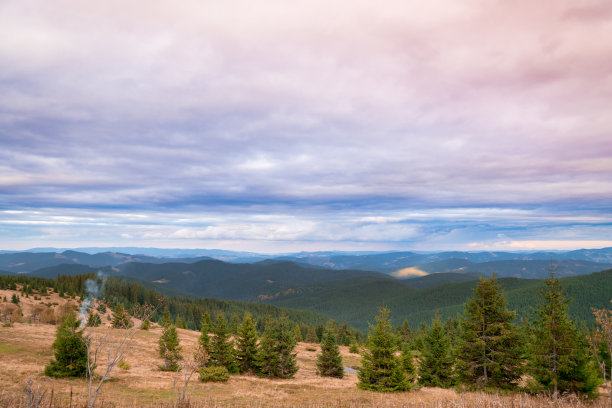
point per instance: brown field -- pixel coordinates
(25, 349)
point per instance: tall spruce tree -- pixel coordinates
(70, 349)
(121, 319)
(436, 365)
(329, 362)
(490, 350)
(380, 369)
(276, 350)
(222, 347)
(247, 353)
(205, 329)
(408, 363)
(559, 357)
(170, 349)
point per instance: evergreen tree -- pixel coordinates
(222, 347)
(94, 320)
(170, 349)
(329, 362)
(490, 351)
(298, 333)
(380, 369)
(205, 329)
(559, 358)
(311, 335)
(436, 365)
(408, 363)
(247, 354)
(165, 320)
(276, 350)
(70, 350)
(121, 320)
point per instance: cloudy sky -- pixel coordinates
(278, 126)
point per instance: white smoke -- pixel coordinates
(93, 288)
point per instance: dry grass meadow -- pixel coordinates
(25, 348)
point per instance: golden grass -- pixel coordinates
(26, 348)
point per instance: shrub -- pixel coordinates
(354, 348)
(214, 374)
(123, 365)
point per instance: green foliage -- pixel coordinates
(70, 350)
(124, 365)
(170, 349)
(221, 350)
(121, 319)
(15, 299)
(329, 362)
(490, 351)
(146, 325)
(101, 308)
(165, 320)
(559, 358)
(247, 353)
(354, 348)
(380, 369)
(436, 365)
(94, 320)
(276, 350)
(214, 374)
(407, 360)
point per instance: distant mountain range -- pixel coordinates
(398, 264)
(351, 295)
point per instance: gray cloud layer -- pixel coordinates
(305, 122)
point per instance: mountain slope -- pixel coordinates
(358, 303)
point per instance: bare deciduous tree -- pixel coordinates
(114, 343)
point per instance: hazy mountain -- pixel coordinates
(508, 268)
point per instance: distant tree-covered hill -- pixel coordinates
(356, 301)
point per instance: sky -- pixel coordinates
(279, 126)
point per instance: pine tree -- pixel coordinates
(247, 354)
(205, 329)
(329, 362)
(121, 320)
(408, 363)
(70, 350)
(222, 347)
(94, 320)
(170, 349)
(380, 369)
(311, 335)
(165, 320)
(276, 350)
(490, 351)
(436, 365)
(559, 358)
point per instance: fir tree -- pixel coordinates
(311, 335)
(165, 320)
(380, 369)
(247, 354)
(205, 329)
(329, 362)
(70, 350)
(490, 351)
(559, 359)
(222, 347)
(408, 363)
(121, 320)
(94, 320)
(436, 365)
(170, 349)
(276, 350)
